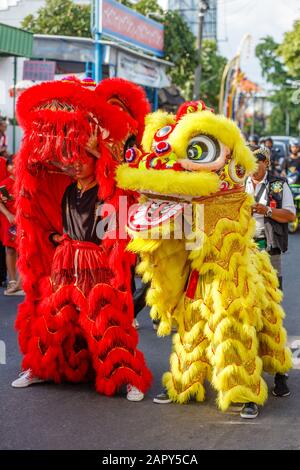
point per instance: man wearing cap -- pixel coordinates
(273, 210)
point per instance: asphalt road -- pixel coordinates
(47, 416)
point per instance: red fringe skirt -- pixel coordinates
(82, 326)
(81, 264)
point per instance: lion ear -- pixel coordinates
(243, 156)
(153, 123)
(128, 97)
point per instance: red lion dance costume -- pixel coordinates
(76, 321)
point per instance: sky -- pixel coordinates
(257, 17)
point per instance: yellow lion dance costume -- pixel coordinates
(222, 293)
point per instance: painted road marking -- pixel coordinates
(294, 344)
(2, 353)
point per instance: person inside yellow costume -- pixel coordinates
(219, 288)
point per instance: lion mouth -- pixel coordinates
(153, 214)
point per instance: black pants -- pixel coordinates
(2, 264)
(274, 253)
(139, 295)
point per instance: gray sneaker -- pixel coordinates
(249, 411)
(162, 398)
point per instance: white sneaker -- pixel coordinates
(17, 292)
(135, 324)
(25, 379)
(134, 394)
(12, 287)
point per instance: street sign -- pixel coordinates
(122, 23)
(38, 70)
(141, 71)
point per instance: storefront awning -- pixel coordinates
(122, 61)
(15, 42)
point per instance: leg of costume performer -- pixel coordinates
(272, 338)
(165, 271)
(276, 261)
(113, 341)
(139, 295)
(189, 364)
(104, 314)
(139, 298)
(57, 349)
(232, 323)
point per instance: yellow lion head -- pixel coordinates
(192, 154)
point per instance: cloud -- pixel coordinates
(260, 18)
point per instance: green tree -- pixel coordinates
(63, 17)
(283, 108)
(179, 42)
(275, 72)
(272, 67)
(259, 125)
(290, 50)
(181, 50)
(60, 17)
(144, 6)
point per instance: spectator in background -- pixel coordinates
(3, 143)
(253, 139)
(3, 169)
(8, 228)
(291, 165)
(3, 175)
(275, 167)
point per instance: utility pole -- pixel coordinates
(203, 7)
(97, 27)
(254, 115)
(287, 122)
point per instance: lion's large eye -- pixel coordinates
(203, 149)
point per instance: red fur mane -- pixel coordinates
(62, 135)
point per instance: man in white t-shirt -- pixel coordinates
(273, 210)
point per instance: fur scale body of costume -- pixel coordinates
(220, 291)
